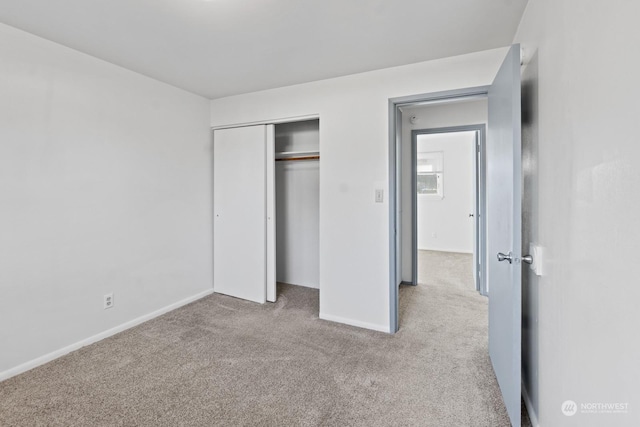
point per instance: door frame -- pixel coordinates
(395, 169)
(479, 202)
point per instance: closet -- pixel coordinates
(266, 208)
(298, 203)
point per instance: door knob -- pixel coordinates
(507, 257)
(527, 259)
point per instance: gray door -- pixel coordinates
(504, 230)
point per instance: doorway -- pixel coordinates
(503, 213)
(401, 204)
(418, 120)
(448, 190)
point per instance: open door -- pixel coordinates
(504, 231)
(243, 260)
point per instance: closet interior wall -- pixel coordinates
(297, 186)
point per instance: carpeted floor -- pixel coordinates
(224, 361)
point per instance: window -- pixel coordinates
(430, 173)
(428, 183)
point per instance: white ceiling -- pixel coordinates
(217, 48)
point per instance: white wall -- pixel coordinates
(444, 223)
(105, 186)
(353, 110)
(582, 175)
(298, 206)
(429, 117)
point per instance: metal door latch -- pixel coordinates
(507, 257)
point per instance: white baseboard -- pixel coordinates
(527, 402)
(102, 335)
(304, 285)
(357, 323)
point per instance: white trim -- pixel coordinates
(270, 182)
(527, 402)
(270, 122)
(100, 336)
(351, 322)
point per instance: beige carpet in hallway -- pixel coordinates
(223, 361)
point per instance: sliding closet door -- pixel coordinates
(239, 202)
(271, 213)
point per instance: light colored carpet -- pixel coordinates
(224, 361)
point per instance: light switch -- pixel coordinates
(379, 196)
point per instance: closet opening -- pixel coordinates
(297, 204)
(266, 199)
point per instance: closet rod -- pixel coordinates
(286, 159)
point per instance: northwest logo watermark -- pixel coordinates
(570, 408)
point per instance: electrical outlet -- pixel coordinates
(108, 301)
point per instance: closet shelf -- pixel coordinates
(297, 155)
(287, 159)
